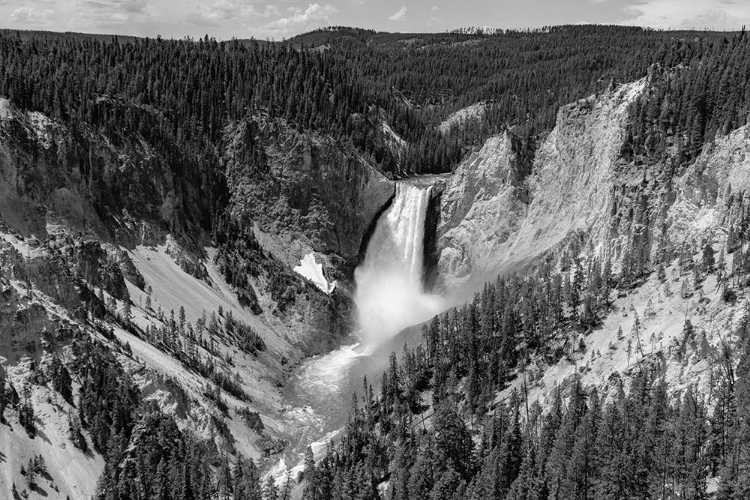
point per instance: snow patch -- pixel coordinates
(310, 268)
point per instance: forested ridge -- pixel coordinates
(190, 90)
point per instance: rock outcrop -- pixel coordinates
(494, 219)
(102, 185)
(304, 192)
(720, 172)
(480, 211)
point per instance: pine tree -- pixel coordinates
(557, 463)
(26, 411)
(402, 463)
(286, 491)
(161, 486)
(422, 474)
(182, 318)
(127, 311)
(582, 471)
(452, 440)
(708, 259)
(629, 350)
(3, 397)
(449, 486)
(310, 474)
(735, 474)
(270, 492)
(612, 478)
(31, 474)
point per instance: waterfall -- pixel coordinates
(389, 297)
(390, 294)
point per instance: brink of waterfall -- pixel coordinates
(390, 292)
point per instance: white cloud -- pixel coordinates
(399, 15)
(32, 17)
(213, 13)
(314, 16)
(690, 14)
(109, 13)
(434, 21)
(434, 8)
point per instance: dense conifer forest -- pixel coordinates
(180, 95)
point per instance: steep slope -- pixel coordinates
(585, 201)
(494, 219)
(679, 326)
(304, 192)
(461, 117)
(480, 211)
(105, 185)
(107, 240)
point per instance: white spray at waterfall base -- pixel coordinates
(390, 295)
(389, 298)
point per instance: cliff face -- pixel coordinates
(480, 211)
(305, 192)
(703, 193)
(493, 220)
(112, 187)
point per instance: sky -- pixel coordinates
(279, 19)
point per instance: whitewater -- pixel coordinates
(390, 297)
(390, 292)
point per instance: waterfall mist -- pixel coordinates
(390, 294)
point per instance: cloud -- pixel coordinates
(31, 17)
(399, 15)
(213, 13)
(300, 20)
(110, 13)
(434, 21)
(690, 14)
(434, 8)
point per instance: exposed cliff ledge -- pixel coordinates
(305, 192)
(479, 212)
(702, 194)
(105, 185)
(486, 225)
(580, 185)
